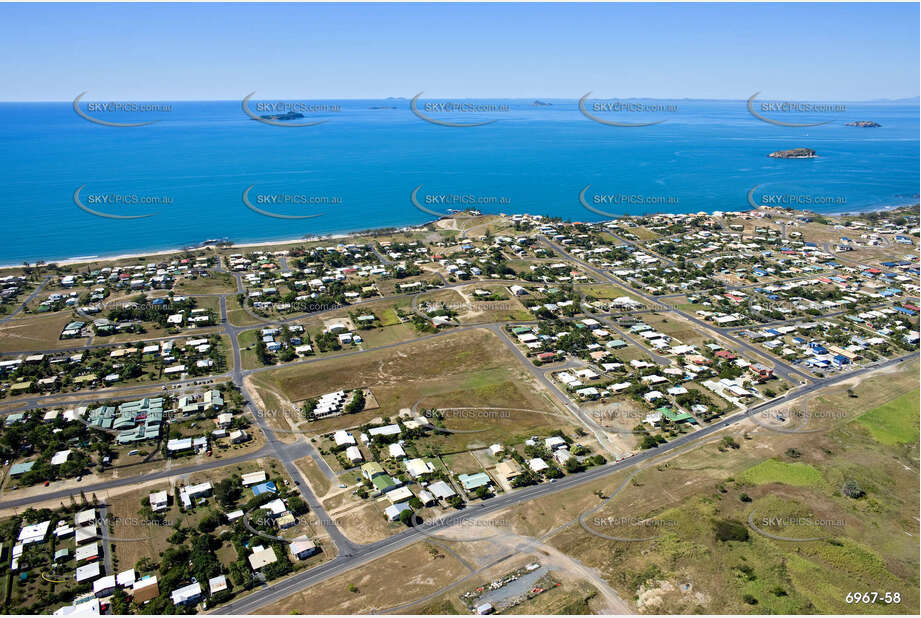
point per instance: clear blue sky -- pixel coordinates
(224, 51)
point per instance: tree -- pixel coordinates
(296, 505)
(406, 517)
(852, 489)
(356, 403)
(227, 492)
(120, 605)
(209, 522)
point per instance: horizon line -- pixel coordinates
(480, 98)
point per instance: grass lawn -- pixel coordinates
(37, 332)
(318, 481)
(219, 283)
(607, 291)
(248, 357)
(774, 471)
(389, 317)
(238, 316)
(895, 422)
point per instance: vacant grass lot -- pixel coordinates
(895, 422)
(773, 471)
(465, 368)
(37, 332)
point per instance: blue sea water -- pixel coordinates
(707, 156)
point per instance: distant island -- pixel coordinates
(794, 153)
(383, 107)
(869, 124)
(287, 116)
(541, 103)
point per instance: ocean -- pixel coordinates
(358, 170)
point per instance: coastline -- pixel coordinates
(338, 236)
(86, 259)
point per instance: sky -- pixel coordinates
(145, 52)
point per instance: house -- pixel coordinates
(555, 442)
(87, 572)
(471, 482)
(588, 393)
(384, 483)
(159, 501)
(353, 453)
(234, 515)
(418, 467)
(302, 548)
(262, 556)
(371, 470)
(145, 589)
(191, 492)
(392, 512)
(396, 451)
(19, 469)
(187, 595)
(343, 438)
(217, 584)
(762, 371)
(287, 520)
(126, 579)
(264, 487)
(508, 469)
(253, 478)
(179, 445)
(87, 552)
(276, 507)
(104, 586)
(34, 533)
(238, 436)
(400, 494)
(538, 465)
(441, 490)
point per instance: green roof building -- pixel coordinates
(21, 468)
(383, 483)
(676, 417)
(472, 481)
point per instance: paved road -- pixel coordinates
(100, 488)
(285, 454)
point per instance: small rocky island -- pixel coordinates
(866, 124)
(541, 103)
(794, 153)
(287, 116)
